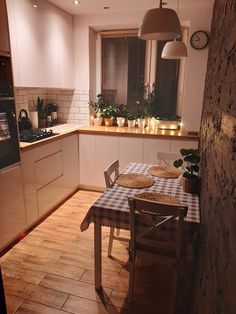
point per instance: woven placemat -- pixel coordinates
(134, 180)
(160, 198)
(164, 172)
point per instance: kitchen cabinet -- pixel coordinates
(177, 144)
(152, 146)
(42, 45)
(87, 159)
(4, 34)
(50, 174)
(130, 149)
(12, 210)
(106, 151)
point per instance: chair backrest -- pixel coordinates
(157, 217)
(167, 158)
(111, 173)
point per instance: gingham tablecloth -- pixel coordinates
(111, 208)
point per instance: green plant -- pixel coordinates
(130, 115)
(108, 111)
(50, 108)
(121, 111)
(191, 158)
(41, 108)
(98, 105)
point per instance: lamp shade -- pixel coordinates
(174, 50)
(160, 24)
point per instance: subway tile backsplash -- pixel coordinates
(72, 104)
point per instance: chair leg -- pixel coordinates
(117, 232)
(174, 288)
(131, 279)
(111, 237)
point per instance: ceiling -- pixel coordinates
(118, 6)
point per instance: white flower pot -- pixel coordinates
(141, 123)
(131, 123)
(97, 121)
(120, 121)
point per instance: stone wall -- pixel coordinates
(216, 277)
(72, 104)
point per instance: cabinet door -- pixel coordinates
(87, 159)
(4, 35)
(70, 159)
(107, 151)
(152, 146)
(12, 211)
(29, 184)
(177, 144)
(130, 149)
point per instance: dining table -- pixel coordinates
(111, 209)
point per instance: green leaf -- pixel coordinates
(178, 163)
(195, 168)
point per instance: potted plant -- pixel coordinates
(42, 113)
(189, 164)
(131, 118)
(97, 108)
(120, 115)
(108, 112)
(142, 114)
(169, 122)
(51, 110)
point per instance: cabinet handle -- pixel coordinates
(10, 168)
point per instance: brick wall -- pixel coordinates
(215, 286)
(72, 104)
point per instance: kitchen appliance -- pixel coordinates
(9, 145)
(34, 135)
(6, 84)
(23, 121)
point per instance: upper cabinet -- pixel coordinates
(42, 43)
(4, 38)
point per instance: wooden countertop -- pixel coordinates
(67, 129)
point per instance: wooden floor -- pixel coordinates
(51, 270)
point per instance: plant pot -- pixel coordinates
(131, 123)
(108, 121)
(97, 121)
(42, 123)
(191, 185)
(141, 123)
(120, 121)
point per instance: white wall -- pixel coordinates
(197, 17)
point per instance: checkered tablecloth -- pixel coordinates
(112, 210)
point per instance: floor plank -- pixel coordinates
(51, 271)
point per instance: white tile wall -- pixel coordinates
(72, 104)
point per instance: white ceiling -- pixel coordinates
(118, 6)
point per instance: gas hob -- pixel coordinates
(30, 136)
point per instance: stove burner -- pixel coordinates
(34, 135)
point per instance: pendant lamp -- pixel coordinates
(160, 24)
(174, 49)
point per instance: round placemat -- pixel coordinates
(134, 180)
(164, 172)
(160, 198)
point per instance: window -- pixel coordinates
(123, 66)
(129, 63)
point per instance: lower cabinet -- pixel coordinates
(50, 174)
(12, 211)
(98, 151)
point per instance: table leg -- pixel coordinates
(98, 255)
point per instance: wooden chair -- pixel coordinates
(160, 237)
(167, 158)
(110, 174)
